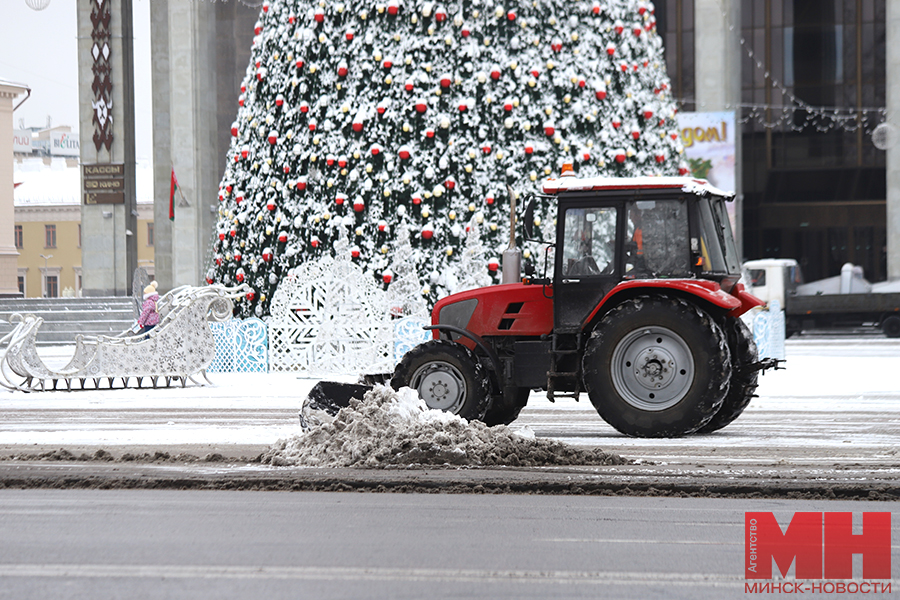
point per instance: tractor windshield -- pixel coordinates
(717, 249)
(657, 239)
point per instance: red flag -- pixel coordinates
(173, 186)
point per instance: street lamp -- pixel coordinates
(37, 4)
(49, 256)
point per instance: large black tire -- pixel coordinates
(447, 376)
(506, 408)
(891, 326)
(657, 367)
(743, 384)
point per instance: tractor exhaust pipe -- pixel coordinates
(512, 256)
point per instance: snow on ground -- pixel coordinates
(823, 397)
(389, 428)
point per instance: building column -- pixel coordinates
(106, 131)
(9, 256)
(184, 86)
(717, 64)
(892, 101)
(162, 147)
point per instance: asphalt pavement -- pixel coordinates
(164, 544)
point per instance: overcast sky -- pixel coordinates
(38, 49)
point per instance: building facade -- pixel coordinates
(813, 87)
(47, 228)
(48, 238)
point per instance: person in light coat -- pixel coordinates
(149, 316)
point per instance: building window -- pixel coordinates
(49, 236)
(51, 286)
(18, 236)
(150, 234)
(23, 281)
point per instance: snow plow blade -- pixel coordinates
(326, 398)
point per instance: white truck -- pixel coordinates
(846, 300)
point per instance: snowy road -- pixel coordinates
(835, 411)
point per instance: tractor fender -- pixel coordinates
(478, 341)
(748, 300)
(703, 289)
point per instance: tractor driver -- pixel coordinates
(634, 249)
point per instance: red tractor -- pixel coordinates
(640, 312)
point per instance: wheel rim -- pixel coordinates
(652, 368)
(440, 385)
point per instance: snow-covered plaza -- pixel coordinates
(837, 401)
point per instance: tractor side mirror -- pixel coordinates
(529, 220)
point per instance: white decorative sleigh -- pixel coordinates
(181, 346)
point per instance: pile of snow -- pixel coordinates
(391, 428)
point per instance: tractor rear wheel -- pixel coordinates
(657, 367)
(743, 385)
(447, 376)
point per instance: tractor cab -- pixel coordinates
(610, 231)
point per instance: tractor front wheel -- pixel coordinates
(447, 376)
(657, 367)
(506, 408)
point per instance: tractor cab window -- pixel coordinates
(656, 240)
(590, 241)
(717, 249)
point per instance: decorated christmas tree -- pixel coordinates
(415, 115)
